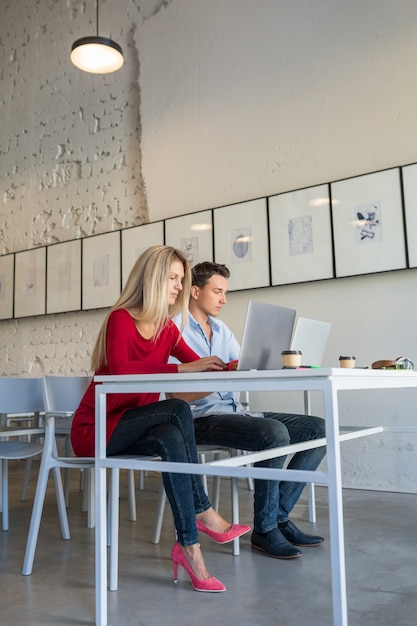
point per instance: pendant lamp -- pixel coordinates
(95, 54)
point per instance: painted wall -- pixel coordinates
(218, 102)
(243, 99)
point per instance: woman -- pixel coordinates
(137, 337)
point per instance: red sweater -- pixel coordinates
(127, 353)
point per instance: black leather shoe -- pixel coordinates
(296, 536)
(274, 544)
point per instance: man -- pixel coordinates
(220, 421)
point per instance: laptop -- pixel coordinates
(267, 331)
(310, 336)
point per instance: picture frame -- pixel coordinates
(368, 223)
(136, 240)
(409, 178)
(63, 277)
(241, 243)
(192, 234)
(300, 233)
(6, 286)
(101, 270)
(30, 283)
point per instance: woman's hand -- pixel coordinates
(206, 364)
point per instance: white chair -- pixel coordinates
(18, 396)
(62, 395)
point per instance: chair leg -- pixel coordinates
(66, 485)
(84, 486)
(250, 480)
(67, 471)
(91, 502)
(5, 493)
(142, 475)
(159, 516)
(311, 502)
(216, 493)
(35, 519)
(216, 488)
(60, 499)
(203, 478)
(26, 481)
(114, 528)
(131, 495)
(108, 525)
(235, 512)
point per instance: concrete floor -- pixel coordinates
(381, 559)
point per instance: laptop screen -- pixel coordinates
(267, 331)
(310, 336)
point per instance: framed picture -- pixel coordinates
(368, 225)
(135, 240)
(30, 282)
(6, 286)
(63, 277)
(241, 243)
(300, 236)
(100, 270)
(409, 173)
(193, 234)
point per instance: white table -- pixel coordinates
(327, 380)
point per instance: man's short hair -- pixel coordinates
(202, 272)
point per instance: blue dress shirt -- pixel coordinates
(224, 345)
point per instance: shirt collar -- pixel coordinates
(215, 325)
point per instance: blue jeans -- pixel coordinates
(166, 428)
(273, 500)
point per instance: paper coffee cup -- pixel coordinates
(347, 361)
(291, 358)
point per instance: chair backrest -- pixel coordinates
(63, 393)
(21, 395)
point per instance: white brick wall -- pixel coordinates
(54, 344)
(70, 159)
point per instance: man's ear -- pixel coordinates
(194, 292)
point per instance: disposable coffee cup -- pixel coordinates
(291, 358)
(347, 361)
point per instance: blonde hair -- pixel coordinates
(145, 295)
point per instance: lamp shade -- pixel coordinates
(97, 55)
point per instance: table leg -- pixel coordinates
(101, 518)
(337, 543)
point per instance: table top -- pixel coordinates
(343, 378)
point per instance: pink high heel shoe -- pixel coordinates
(236, 530)
(211, 584)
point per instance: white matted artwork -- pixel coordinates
(63, 277)
(30, 283)
(6, 286)
(368, 225)
(241, 243)
(300, 236)
(136, 240)
(100, 270)
(193, 234)
(410, 204)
